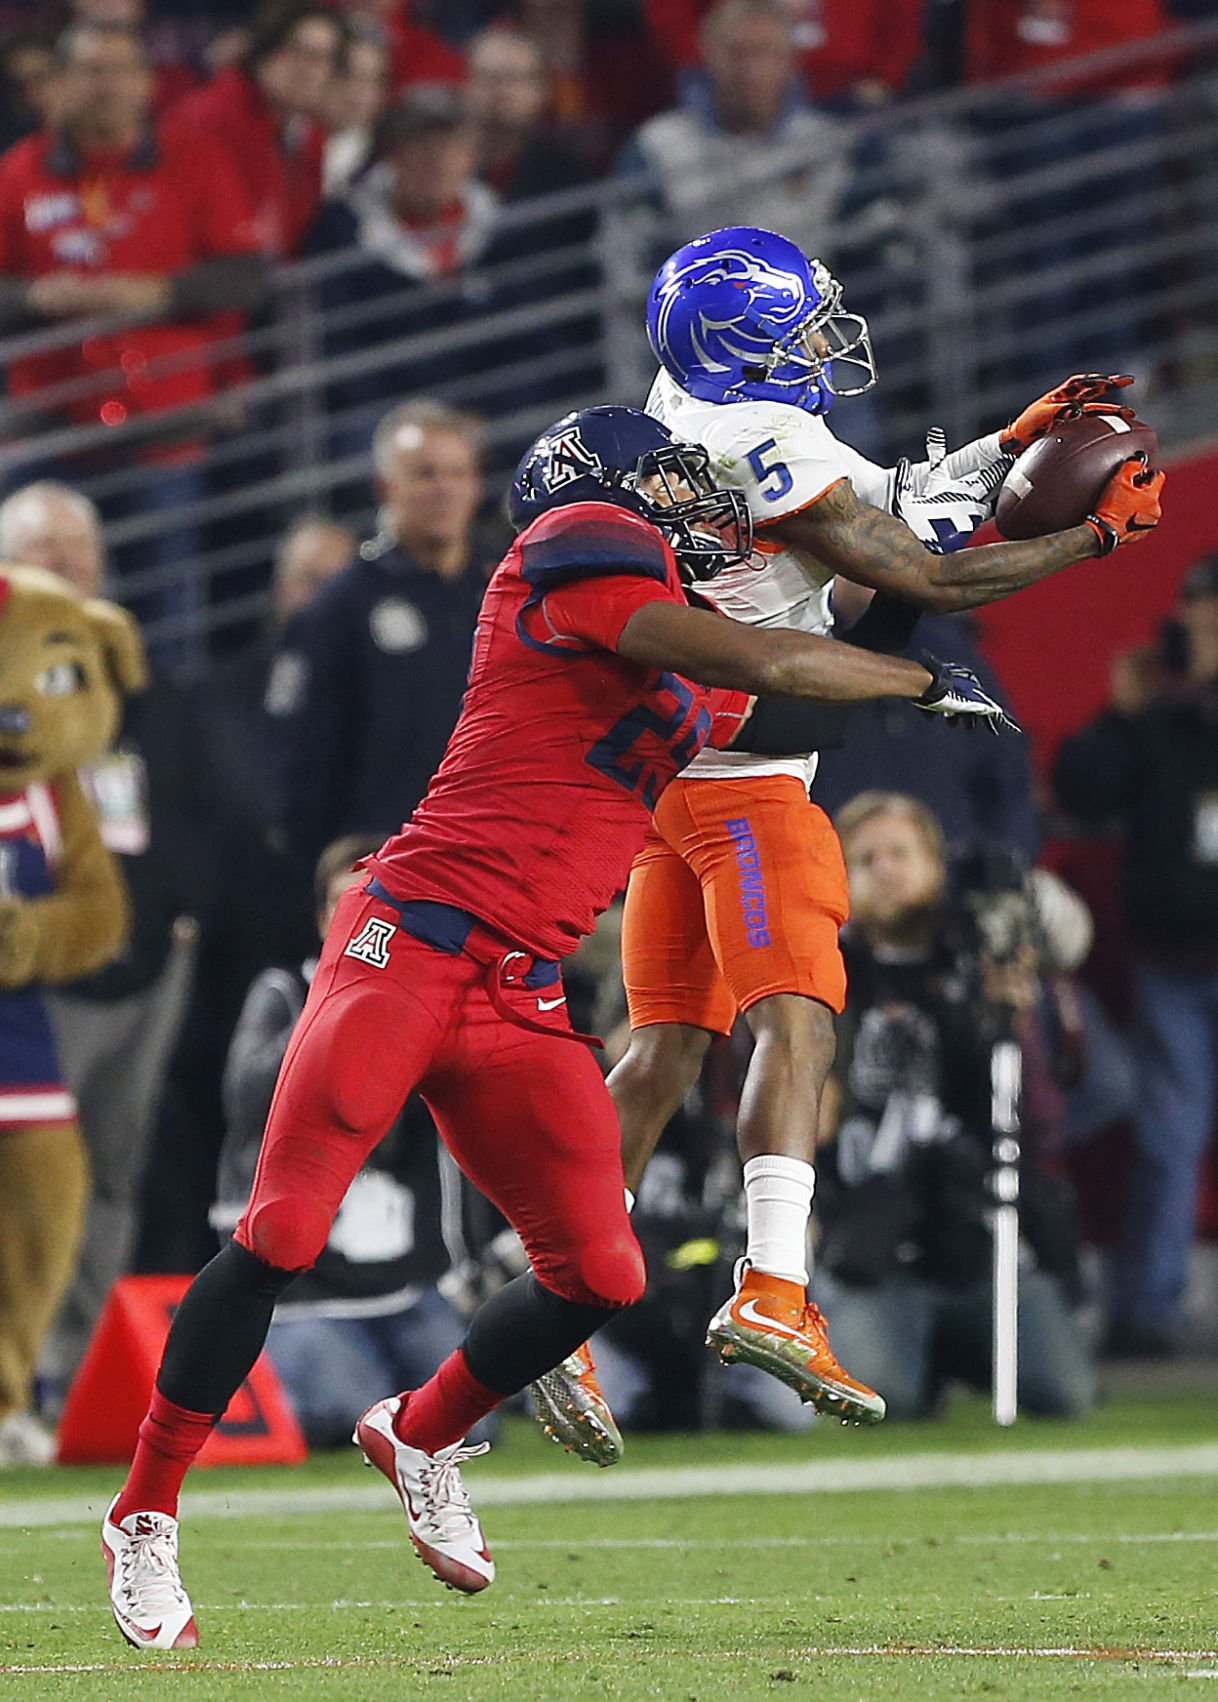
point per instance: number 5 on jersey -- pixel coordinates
(771, 469)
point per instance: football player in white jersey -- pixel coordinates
(735, 902)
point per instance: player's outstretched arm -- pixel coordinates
(863, 544)
(784, 664)
(768, 663)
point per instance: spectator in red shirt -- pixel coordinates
(850, 51)
(266, 115)
(107, 217)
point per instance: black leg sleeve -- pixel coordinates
(219, 1329)
(523, 1331)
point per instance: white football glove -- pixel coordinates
(956, 693)
(945, 498)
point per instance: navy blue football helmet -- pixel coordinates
(732, 317)
(606, 454)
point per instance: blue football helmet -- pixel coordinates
(605, 454)
(733, 316)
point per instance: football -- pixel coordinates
(1057, 482)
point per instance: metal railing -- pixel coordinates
(995, 237)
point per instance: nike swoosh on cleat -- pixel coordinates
(750, 1316)
(550, 1004)
(138, 1630)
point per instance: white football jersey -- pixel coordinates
(782, 459)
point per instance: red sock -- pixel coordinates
(170, 1439)
(445, 1408)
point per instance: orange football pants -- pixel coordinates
(738, 893)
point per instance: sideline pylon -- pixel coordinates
(109, 1396)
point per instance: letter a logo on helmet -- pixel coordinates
(743, 314)
(568, 457)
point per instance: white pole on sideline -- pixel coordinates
(1006, 1071)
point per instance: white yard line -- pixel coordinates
(679, 1483)
(996, 1539)
(1169, 1658)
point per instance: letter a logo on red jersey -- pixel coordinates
(371, 944)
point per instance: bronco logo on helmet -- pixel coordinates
(743, 315)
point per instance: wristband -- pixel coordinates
(941, 679)
(1107, 534)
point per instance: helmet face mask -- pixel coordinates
(743, 315)
(622, 456)
(709, 529)
(847, 341)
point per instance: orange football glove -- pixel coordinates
(1085, 393)
(1129, 506)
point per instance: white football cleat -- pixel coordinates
(150, 1607)
(443, 1527)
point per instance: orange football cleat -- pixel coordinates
(573, 1411)
(770, 1322)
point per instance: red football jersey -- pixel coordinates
(535, 815)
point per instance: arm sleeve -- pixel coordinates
(921, 477)
(781, 726)
(887, 625)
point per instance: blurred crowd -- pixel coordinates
(231, 237)
(385, 139)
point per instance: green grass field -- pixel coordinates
(939, 1561)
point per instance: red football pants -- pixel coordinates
(527, 1116)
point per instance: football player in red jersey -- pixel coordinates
(440, 971)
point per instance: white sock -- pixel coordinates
(629, 1200)
(778, 1197)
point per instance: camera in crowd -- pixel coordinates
(994, 922)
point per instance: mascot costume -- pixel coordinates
(64, 664)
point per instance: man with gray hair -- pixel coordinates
(55, 527)
(117, 1027)
(745, 147)
(368, 683)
